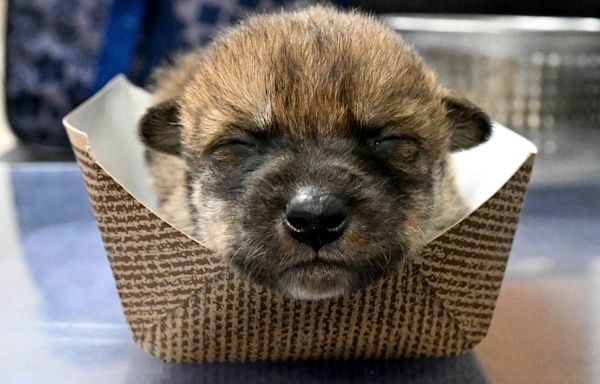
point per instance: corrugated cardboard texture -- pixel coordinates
(185, 304)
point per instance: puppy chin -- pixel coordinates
(316, 281)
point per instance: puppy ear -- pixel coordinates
(470, 125)
(160, 128)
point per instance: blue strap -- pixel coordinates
(125, 21)
(128, 19)
(161, 38)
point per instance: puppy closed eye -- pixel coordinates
(397, 145)
(235, 146)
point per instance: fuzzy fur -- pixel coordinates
(312, 98)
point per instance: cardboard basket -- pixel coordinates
(183, 303)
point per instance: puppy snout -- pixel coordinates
(316, 219)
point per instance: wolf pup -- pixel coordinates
(309, 148)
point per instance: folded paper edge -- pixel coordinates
(77, 137)
(473, 339)
(93, 173)
(80, 140)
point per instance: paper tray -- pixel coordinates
(183, 303)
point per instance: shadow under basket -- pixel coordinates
(184, 304)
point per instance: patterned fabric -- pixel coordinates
(54, 48)
(174, 25)
(200, 18)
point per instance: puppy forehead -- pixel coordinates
(303, 77)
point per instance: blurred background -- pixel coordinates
(534, 66)
(538, 75)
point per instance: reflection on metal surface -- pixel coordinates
(458, 369)
(595, 321)
(530, 266)
(52, 283)
(11, 252)
(540, 332)
(560, 223)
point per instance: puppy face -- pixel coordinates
(314, 142)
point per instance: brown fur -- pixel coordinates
(313, 90)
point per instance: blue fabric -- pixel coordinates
(124, 26)
(144, 34)
(159, 39)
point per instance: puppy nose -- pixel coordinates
(316, 219)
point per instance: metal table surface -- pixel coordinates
(60, 319)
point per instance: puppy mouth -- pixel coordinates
(316, 279)
(314, 266)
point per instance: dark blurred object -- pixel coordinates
(586, 8)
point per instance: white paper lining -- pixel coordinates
(110, 118)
